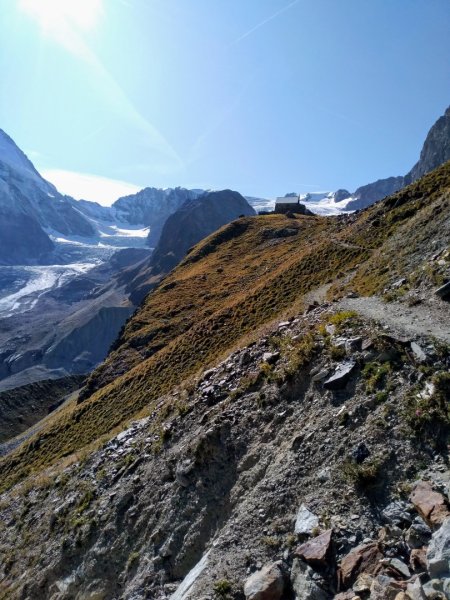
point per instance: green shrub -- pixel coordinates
(337, 353)
(362, 476)
(376, 375)
(429, 417)
(222, 588)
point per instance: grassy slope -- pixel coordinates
(231, 284)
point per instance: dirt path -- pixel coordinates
(431, 319)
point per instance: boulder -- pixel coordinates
(419, 534)
(396, 567)
(360, 453)
(415, 590)
(434, 589)
(397, 513)
(353, 344)
(431, 505)
(316, 552)
(266, 584)
(419, 354)
(306, 521)
(339, 379)
(363, 583)
(271, 357)
(444, 291)
(385, 588)
(362, 559)
(418, 560)
(438, 555)
(303, 584)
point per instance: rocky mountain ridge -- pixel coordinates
(193, 221)
(88, 311)
(435, 152)
(263, 428)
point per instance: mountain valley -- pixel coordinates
(262, 426)
(201, 402)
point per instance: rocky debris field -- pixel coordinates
(310, 464)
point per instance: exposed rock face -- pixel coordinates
(22, 239)
(152, 206)
(22, 407)
(438, 555)
(192, 222)
(85, 346)
(267, 584)
(435, 151)
(341, 194)
(28, 205)
(372, 192)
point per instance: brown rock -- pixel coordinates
(316, 551)
(365, 558)
(363, 583)
(266, 584)
(431, 505)
(385, 588)
(347, 596)
(418, 559)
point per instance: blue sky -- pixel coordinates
(263, 96)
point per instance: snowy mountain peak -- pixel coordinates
(13, 157)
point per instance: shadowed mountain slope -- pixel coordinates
(193, 221)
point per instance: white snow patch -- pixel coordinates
(41, 280)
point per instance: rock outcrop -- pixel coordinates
(372, 192)
(192, 222)
(435, 152)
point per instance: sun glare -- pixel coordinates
(53, 14)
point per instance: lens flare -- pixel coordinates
(53, 14)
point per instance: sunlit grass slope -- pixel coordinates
(229, 285)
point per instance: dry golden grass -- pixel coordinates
(230, 286)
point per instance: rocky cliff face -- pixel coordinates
(152, 206)
(193, 221)
(372, 192)
(30, 206)
(435, 152)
